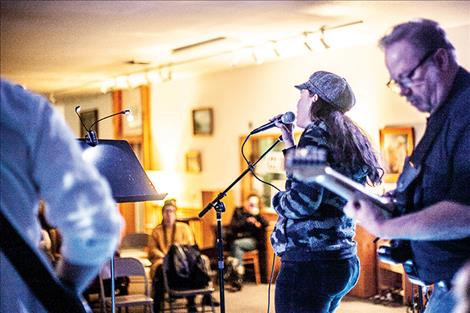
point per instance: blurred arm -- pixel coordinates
(444, 220)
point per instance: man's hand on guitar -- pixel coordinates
(366, 214)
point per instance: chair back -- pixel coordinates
(135, 241)
(124, 267)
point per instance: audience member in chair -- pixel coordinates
(247, 229)
(163, 236)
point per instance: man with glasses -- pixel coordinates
(434, 187)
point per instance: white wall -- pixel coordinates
(253, 94)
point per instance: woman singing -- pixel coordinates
(313, 235)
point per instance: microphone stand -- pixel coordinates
(219, 207)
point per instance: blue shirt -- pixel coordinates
(40, 158)
(445, 175)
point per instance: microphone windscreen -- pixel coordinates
(288, 118)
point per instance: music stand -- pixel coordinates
(116, 161)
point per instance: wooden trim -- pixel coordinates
(146, 127)
(117, 106)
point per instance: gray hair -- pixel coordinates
(425, 35)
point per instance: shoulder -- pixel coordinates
(22, 109)
(459, 115)
(461, 90)
(315, 134)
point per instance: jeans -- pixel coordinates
(442, 300)
(314, 286)
(240, 246)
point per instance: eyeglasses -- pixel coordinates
(406, 81)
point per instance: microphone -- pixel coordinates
(286, 118)
(91, 137)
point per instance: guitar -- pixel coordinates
(54, 295)
(311, 166)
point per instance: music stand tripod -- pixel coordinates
(219, 207)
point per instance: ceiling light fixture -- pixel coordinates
(322, 38)
(121, 82)
(136, 80)
(306, 41)
(165, 71)
(275, 48)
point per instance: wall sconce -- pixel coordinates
(174, 185)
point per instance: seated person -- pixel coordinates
(163, 236)
(247, 229)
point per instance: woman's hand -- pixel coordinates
(286, 131)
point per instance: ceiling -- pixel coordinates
(63, 47)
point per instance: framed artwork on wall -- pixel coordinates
(203, 121)
(88, 118)
(193, 162)
(396, 143)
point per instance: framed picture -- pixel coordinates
(203, 122)
(396, 143)
(193, 162)
(88, 118)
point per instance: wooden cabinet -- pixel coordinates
(366, 251)
(367, 283)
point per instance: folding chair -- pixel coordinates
(135, 241)
(172, 294)
(126, 267)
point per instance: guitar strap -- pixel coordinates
(53, 295)
(412, 170)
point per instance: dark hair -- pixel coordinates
(348, 143)
(425, 35)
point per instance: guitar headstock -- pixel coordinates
(307, 164)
